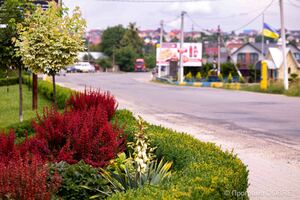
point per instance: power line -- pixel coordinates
(155, 1)
(252, 20)
(293, 4)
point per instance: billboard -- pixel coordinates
(191, 54)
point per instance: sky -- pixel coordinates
(207, 14)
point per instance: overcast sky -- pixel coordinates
(230, 14)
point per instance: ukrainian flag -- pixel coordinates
(270, 32)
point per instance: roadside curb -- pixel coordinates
(235, 86)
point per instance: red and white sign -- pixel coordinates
(191, 54)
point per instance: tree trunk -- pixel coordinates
(54, 89)
(20, 95)
(7, 88)
(34, 91)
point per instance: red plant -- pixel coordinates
(76, 135)
(88, 99)
(7, 146)
(26, 178)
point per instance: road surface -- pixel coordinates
(263, 129)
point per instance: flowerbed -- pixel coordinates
(79, 133)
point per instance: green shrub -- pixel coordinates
(198, 76)
(229, 78)
(22, 129)
(294, 89)
(46, 88)
(189, 76)
(75, 176)
(9, 81)
(202, 170)
(220, 76)
(241, 79)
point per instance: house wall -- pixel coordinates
(246, 49)
(292, 64)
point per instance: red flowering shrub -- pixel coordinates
(7, 146)
(76, 135)
(26, 178)
(88, 99)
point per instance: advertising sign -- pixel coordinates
(191, 54)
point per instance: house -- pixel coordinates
(245, 56)
(250, 53)
(275, 63)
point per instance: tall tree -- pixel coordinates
(111, 39)
(132, 38)
(50, 40)
(11, 13)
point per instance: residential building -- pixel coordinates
(275, 63)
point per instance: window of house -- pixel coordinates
(289, 70)
(297, 56)
(253, 58)
(241, 57)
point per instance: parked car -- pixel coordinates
(71, 69)
(81, 67)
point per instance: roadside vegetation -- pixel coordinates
(9, 105)
(92, 150)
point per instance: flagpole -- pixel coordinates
(286, 82)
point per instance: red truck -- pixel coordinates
(139, 65)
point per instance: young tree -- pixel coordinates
(11, 13)
(50, 39)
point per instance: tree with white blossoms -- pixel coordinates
(50, 39)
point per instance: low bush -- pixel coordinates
(202, 170)
(294, 89)
(88, 99)
(75, 177)
(22, 129)
(76, 135)
(27, 178)
(9, 81)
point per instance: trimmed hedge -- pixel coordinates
(202, 170)
(46, 88)
(9, 81)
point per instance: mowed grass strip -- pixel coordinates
(9, 105)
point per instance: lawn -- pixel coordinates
(9, 105)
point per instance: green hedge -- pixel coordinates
(9, 81)
(201, 170)
(46, 88)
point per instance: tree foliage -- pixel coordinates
(111, 39)
(132, 38)
(49, 40)
(11, 13)
(125, 58)
(104, 62)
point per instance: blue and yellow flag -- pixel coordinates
(270, 32)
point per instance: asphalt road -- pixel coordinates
(263, 129)
(274, 117)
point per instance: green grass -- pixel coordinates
(9, 105)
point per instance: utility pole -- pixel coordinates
(181, 70)
(263, 37)
(219, 50)
(160, 43)
(286, 82)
